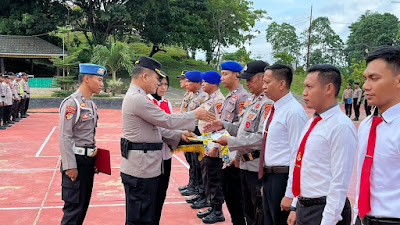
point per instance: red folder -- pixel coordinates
(103, 163)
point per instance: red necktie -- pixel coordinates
(299, 158)
(262, 153)
(364, 205)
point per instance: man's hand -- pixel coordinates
(72, 173)
(213, 152)
(285, 203)
(202, 114)
(222, 141)
(292, 218)
(96, 170)
(235, 162)
(213, 126)
(358, 103)
(185, 134)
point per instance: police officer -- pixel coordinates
(78, 122)
(2, 99)
(16, 98)
(27, 90)
(357, 95)
(231, 109)
(21, 92)
(145, 127)
(8, 100)
(211, 164)
(246, 140)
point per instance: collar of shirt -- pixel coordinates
(234, 91)
(330, 111)
(391, 114)
(136, 88)
(152, 98)
(283, 100)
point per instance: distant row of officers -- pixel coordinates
(14, 98)
(276, 166)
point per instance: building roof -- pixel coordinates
(14, 46)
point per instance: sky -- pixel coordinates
(341, 14)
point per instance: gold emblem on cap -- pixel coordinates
(101, 71)
(183, 73)
(137, 62)
(159, 72)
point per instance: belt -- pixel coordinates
(145, 146)
(276, 169)
(370, 220)
(306, 202)
(250, 156)
(85, 151)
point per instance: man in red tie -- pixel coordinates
(378, 186)
(282, 131)
(325, 155)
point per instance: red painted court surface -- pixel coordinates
(30, 180)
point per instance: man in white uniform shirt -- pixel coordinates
(282, 131)
(378, 173)
(325, 157)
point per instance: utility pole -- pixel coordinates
(309, 41)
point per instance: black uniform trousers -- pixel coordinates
(252, 199)
(198, 178)
(356, 108)
(233, 194)
(274, 188)
(188, 156)
(212, 180)
(140, 199)
(163, 184)
(26, 105)
(21, 106)
(14, 109)
(347, 107)
(312, 215)
(1, 114)
(76, 194)
(6, 113)
(367, 108)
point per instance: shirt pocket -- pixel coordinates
(86, 120)
(251, 121)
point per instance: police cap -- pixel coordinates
(149, 63)
(193, 76)
(232, 66)
(211, 77)
(182, 75)
(252, 68)
(92, 69)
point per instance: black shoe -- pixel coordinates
(192, 199)
(11, 122)
(7, 125)
(24, 116)
(190, 191)
(204, 213)
(181, 188)
(214, 217)
(200, 203)
(2, 127)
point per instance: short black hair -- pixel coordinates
(137, 71)
(282, 72)
(328, 74)
(390, 54)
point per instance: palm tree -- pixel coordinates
(115, 57)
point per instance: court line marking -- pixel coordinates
(45, 142)
(180, 160)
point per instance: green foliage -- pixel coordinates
(241, 55)
(283, 58)
(61, 94)
(71, 60)
(284, 41)
(115, 85)
(298, 81)
(66, 83)
(371, 31)
(357, 68)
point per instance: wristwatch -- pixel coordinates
(291, 208)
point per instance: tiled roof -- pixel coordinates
(27, 46)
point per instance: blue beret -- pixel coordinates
(194, 76)
(211, 77)
(93, 69)
(232, 66)
(19, 75)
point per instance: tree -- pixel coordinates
(357, 68)
(326, 46)
(241, 55)
(284, 41)
(371, 31)
(115, 56)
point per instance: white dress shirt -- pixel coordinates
(283, 133)
(385, 172)
(327, 162)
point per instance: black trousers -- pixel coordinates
(313, 214)
(367, 108)
(188, 156)
(198, 178)
(233, 194)
(356, 108)
(347, 107)
(140, 199)
(163, 183)
(1, 114)
(274, 188)
(6, 113)
(26, 105)
(252, 199)
(212, 180)
(21, 107)
(14, 109)
(76, 194)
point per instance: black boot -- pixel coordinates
(204, 213)
(192, 199)
(200, 203)
(214, 217)
(189, 191)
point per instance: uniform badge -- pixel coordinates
(85, 116)
(228, 115)
(219, 107)
(299, 156)
(248, 124)
(69, 115)
(241, 104)
(267, 109)
(71, 108)
(246, 103)
(101, 71)
(250, 116)
(192, 105)
(234, 97)
(258, 106)
(82, 104)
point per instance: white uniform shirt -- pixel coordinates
(385, 172)
(328, 161)
(284, 132)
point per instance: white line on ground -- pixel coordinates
(180, 160)
(45, 142)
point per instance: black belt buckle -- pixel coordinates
(124, 148)
(145, 147)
